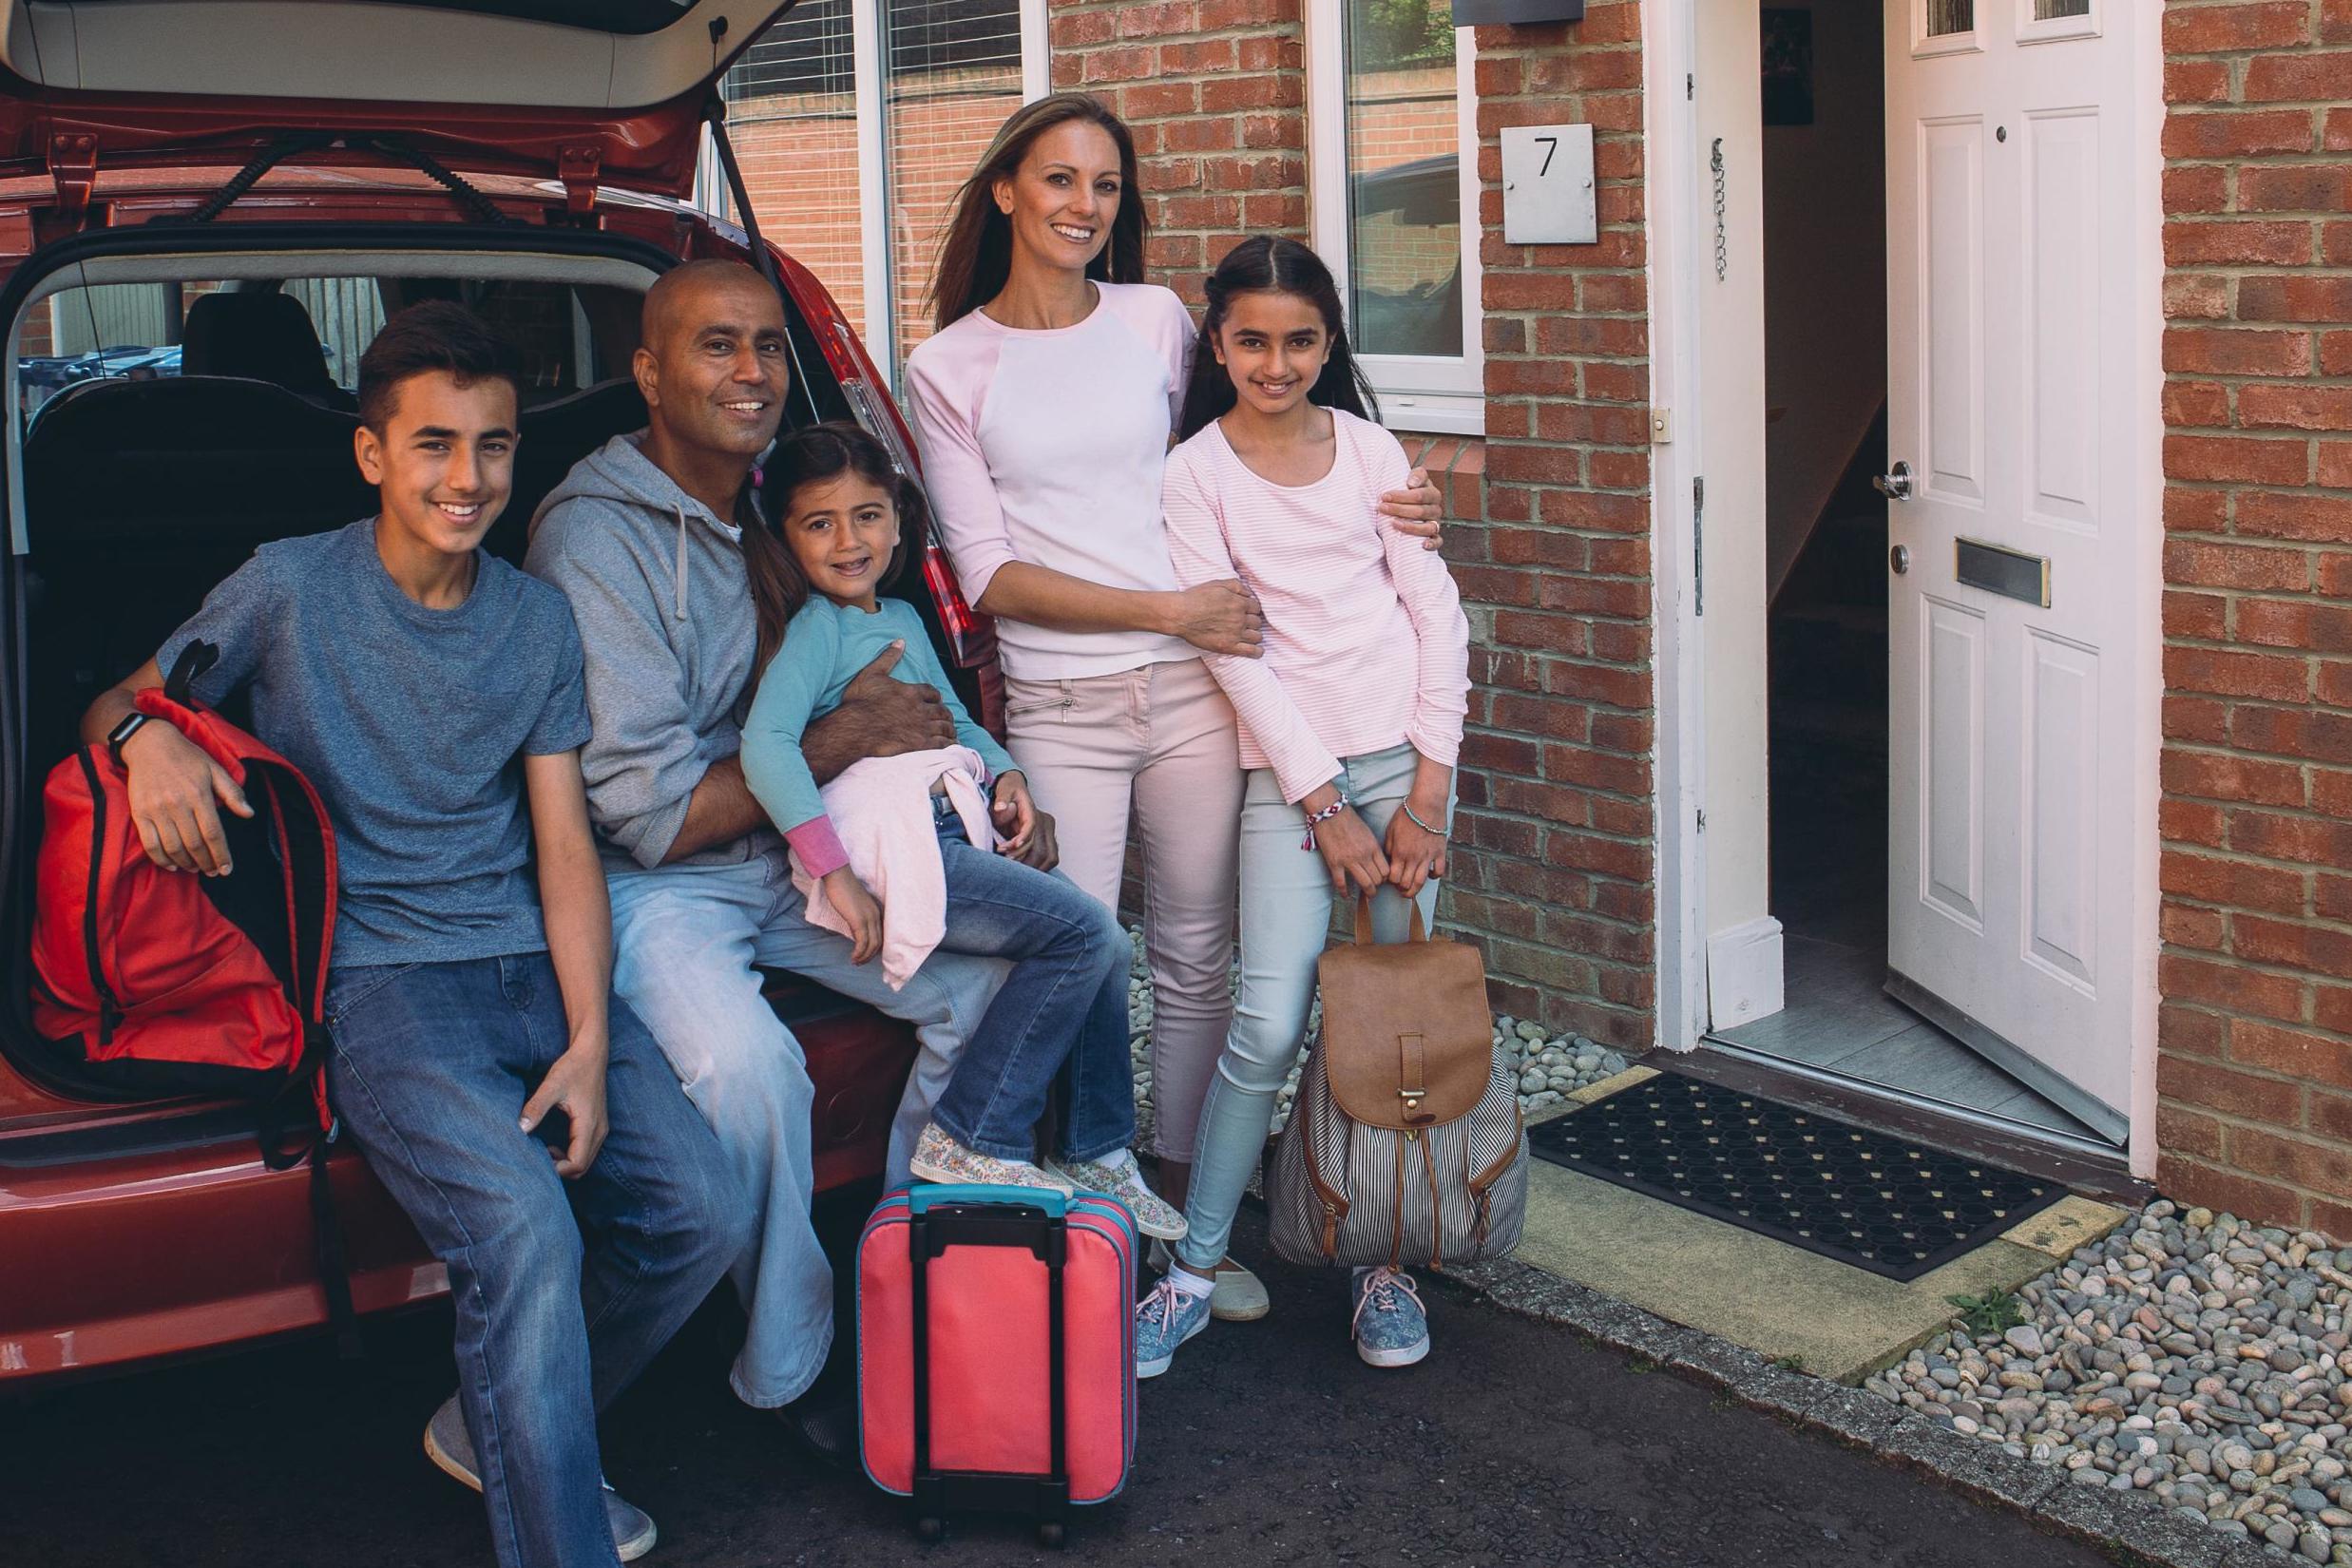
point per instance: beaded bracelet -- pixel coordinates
(1315, 818)
(1415, 818)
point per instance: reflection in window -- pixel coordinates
(2053, 10)
(953, 73)
(1949, 16)
(791, 113)
(1404, 192)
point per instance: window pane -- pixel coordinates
(2052, 10)
(1947, 16)
(952, 76)
(791, 113)
(1403, 186)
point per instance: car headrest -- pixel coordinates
(260, 336)
(108, 463)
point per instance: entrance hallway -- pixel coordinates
(1828, 750)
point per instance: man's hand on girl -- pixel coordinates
(858, 911)
(1220, 618)
(1416, 508)
(1415, 855)
(1015, 815)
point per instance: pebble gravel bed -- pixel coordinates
(2187, 1355)
(1549, 1067)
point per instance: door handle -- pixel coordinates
(1895, 483)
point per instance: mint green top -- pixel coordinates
(825, 645)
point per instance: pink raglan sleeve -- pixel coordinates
(1433, 604)
(1196, 547)
(1180, 342)
(946, 383)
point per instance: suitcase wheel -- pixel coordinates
(930, 1531)
(1050, 1534)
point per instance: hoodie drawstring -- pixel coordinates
(682, 562)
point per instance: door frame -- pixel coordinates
(1676, 102)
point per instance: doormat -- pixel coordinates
(1864, 1198)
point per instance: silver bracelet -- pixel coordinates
(1417, 822)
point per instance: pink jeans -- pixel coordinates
(1159, 741)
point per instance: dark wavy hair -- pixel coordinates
(1270, 264)
(977, 255)
(811, 455)
(439, 335)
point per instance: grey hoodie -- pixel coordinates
(658, 586)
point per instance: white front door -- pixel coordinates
(2019, 220)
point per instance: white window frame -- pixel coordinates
(1444, 396)
(868, 71)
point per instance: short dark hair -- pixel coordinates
(438, 334)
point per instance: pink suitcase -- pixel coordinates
(1019, 1395)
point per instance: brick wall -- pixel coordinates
(1553, 863)
(1215, 93)
(2255, 1074)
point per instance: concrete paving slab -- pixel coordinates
(2069, 1223)
(1784, 1303)
(1610, 1084)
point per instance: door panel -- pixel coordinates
(2012, 388)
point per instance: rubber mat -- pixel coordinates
(1865, 1198)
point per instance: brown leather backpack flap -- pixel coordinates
(1407, 1039)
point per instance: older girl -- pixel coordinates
(1350, 722)
(1043, 404)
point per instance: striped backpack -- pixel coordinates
(1404, 1144)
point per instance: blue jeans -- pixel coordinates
(1286, 916)
(1060, 1017)
(430, 1065)
(686, 938)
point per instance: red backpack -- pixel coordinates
(171, 983)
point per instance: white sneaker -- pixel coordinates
(450, 1447)
(1240, 1296)
(940, 1157)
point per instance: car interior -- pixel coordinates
(139, 494)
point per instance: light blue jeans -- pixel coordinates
(1285, 915)
(686, 939)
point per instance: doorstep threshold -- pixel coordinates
(2084, 1164)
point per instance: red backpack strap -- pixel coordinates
(175, 704)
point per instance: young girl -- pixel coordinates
(848, 525)
(1350, 724)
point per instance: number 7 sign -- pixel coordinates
(1547, 186)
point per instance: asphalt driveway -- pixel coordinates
(1269, 1443)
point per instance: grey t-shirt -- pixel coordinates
(412, 724)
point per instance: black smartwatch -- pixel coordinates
(121, 732)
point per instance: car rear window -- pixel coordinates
(305, 333)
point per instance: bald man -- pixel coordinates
(655, 539)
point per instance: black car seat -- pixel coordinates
(259, 337)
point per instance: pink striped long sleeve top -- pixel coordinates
(1366, 647)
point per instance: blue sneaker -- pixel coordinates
(1390, 1326)
(1164, 1320)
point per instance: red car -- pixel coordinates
(345, 157)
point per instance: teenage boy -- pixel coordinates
(429, 690)
(657, 541)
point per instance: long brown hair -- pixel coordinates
(976, 256)
(811, 455)
(1269, 263)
